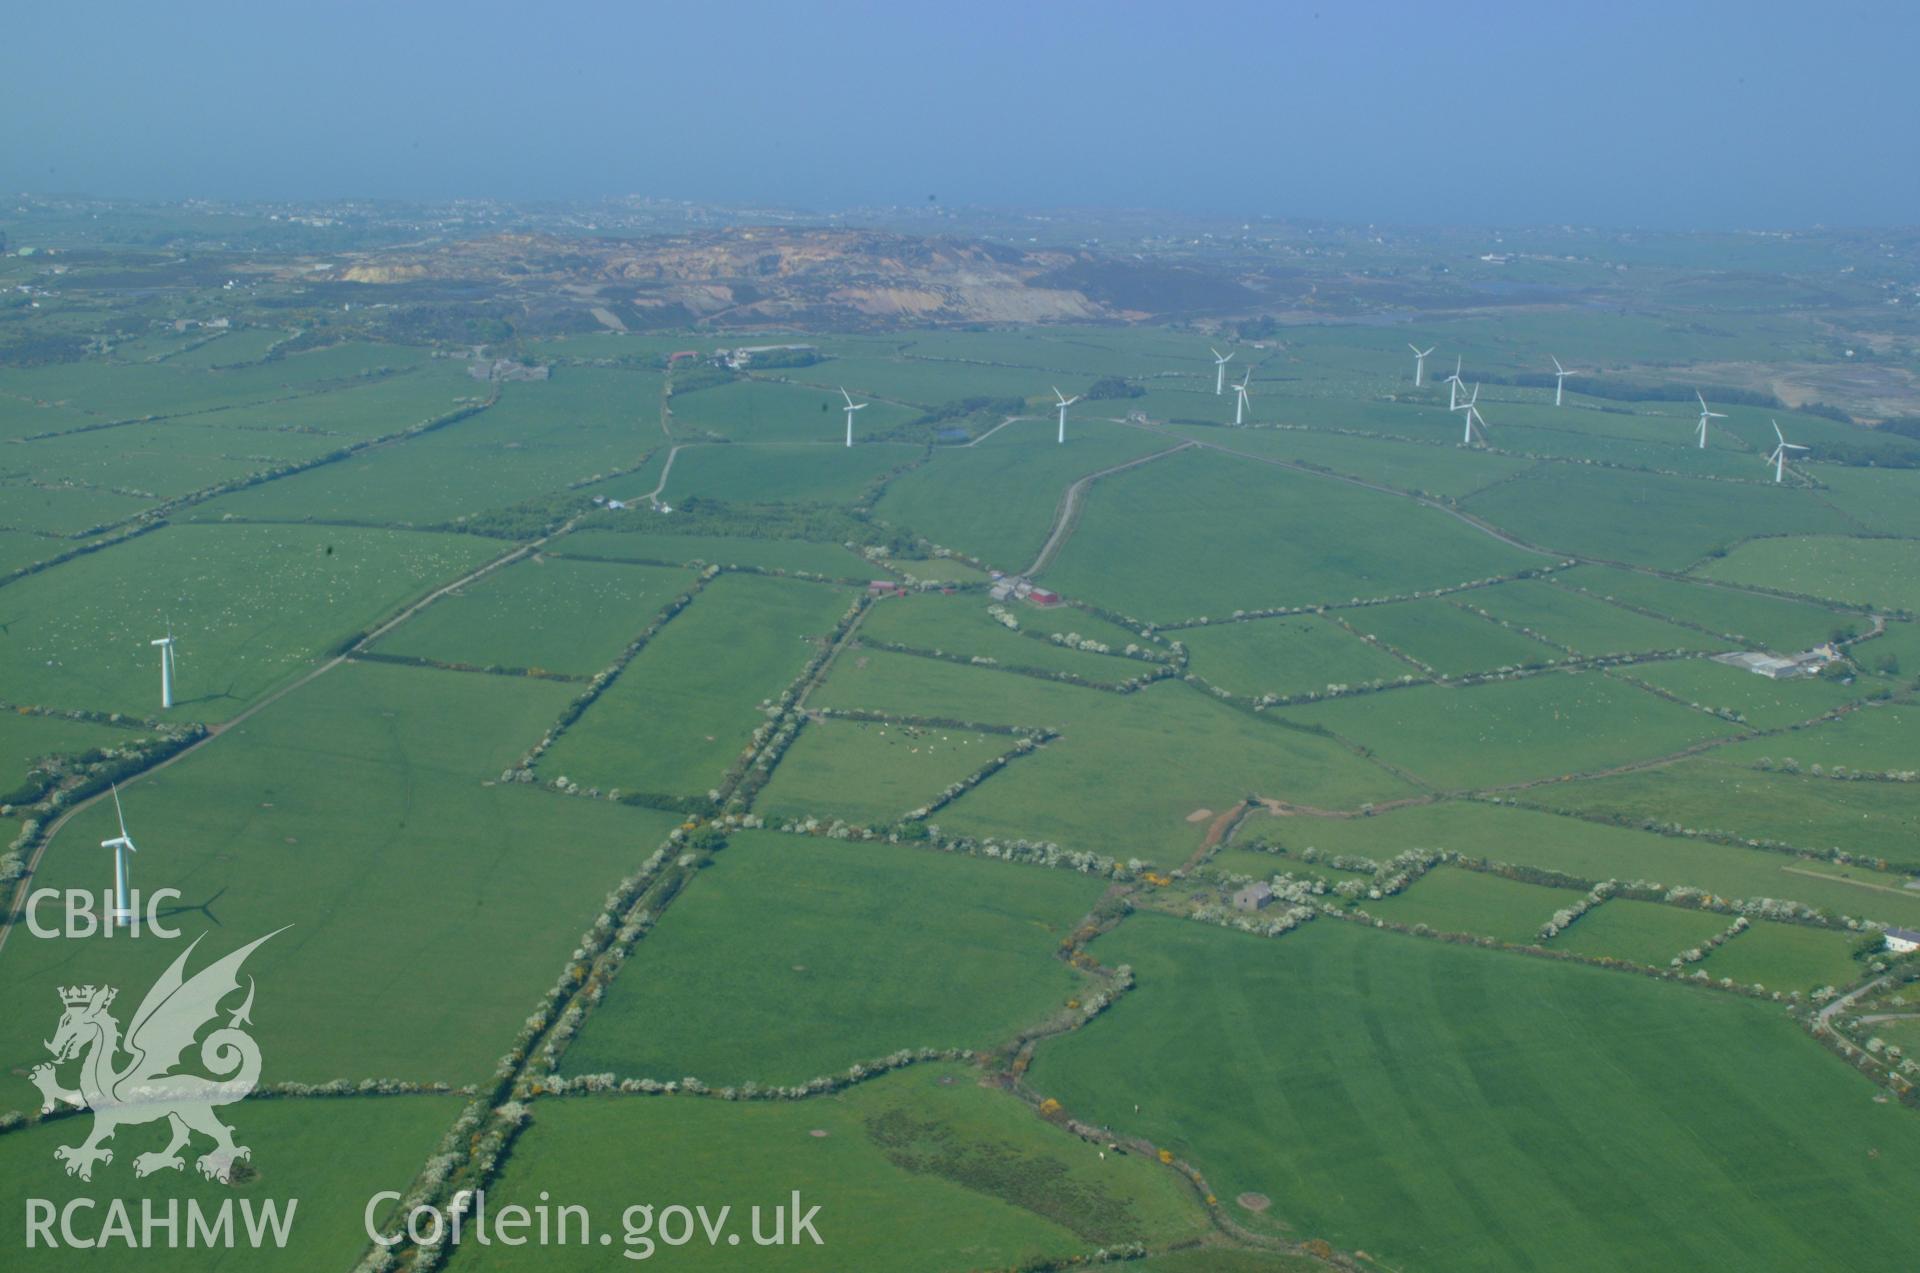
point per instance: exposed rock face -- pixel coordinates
(757, 276)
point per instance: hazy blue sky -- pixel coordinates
(1676, 114)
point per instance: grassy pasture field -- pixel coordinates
(356, 810)
(1867, 572)
(960, 624)
(1292, 655)
(677, 716)
(925, 383)
(1447, 638)
(831, 560)
(996, 501)
(1506, 731)
(65, 509)
(542, 612)
(1207, 534)
(1645, 518)
(101, 392)
(1641, 932)
(22, 548)
(329, 1154)
(1584, 624)
(783, 473)
(765, 410)
(1787, 957)
(1202, 756)
(163, 460)
(1776, 623)
(853, 950)
(1711, 793)
(1883, 499)
(25, 739)
(1876, 738)
(1417, 1099)
(1594, 851)
(539, 437)
(1765, 702)
(870, 773)
(251, 607)
(1456, 901)
(922, 1170)
(1434, 468)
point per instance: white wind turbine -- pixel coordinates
(1474, 419)
(852, 407)
(1779, 456)
(1706, 415)
(1220, 362)
(1065, 402)
(1419, 363)
(1453, 386)
(166, 666)
(1560, 375)
(1241, 397)
(121, 845)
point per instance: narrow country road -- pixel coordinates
(1070, 502)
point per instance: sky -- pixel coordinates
(1675, 115)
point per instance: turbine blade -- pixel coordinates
(1776, 429)
(118, 812)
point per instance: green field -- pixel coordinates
(923, 1170)
(869, 773)
(1584, 624)
(1640, 932)
(1715, 794)
(1788, 957)
(251, 608)
(960, 624)
(1535, 727)
(1593, 851)
(1764, 702)
(1451, 640)
(1202, 756)
(1774, 623)
(1646, 519)
(677, 716)
(356, 810)
(820, 472)
(324, 1157)
(1418, 1099)
(1863, 572)
(1455, 901)
(996, 500)
(1877, 738)
(853, 950)
(1295, 655)
(1207, 534)
(553, 614)
(831, 560)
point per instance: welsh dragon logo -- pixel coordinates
(145, 1089)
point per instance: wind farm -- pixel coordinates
(893, 785)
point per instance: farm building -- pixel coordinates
(1043, 597)
(1253, 897)
(1902, 940)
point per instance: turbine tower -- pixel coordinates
(1419, 363)
(1241, 397)
(1706, 415)
(1065, 402)
(852, 407)
(166, 666)
(1779, 456)
(1220, 362)
(1473, 418)
(1453, 386)
(1560, 375)
(121, 845)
